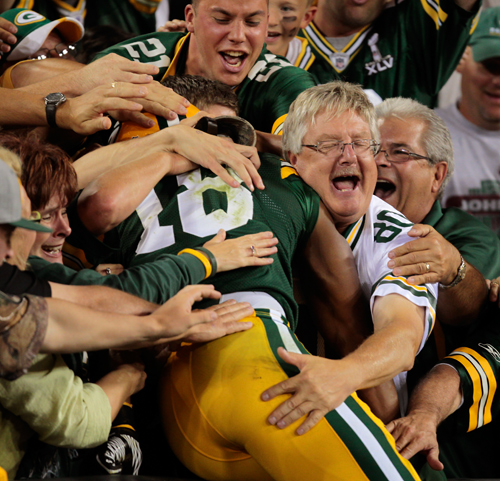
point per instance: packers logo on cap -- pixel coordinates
(28, 16)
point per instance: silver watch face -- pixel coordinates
(55, 98)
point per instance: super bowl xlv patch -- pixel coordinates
(379, 63)
(340, 60)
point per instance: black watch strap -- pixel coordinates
(52, 101)
(50, 111)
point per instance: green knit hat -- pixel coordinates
(33, 29)
(485, 40)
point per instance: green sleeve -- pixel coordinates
(155, 281)
(478, 363)
(156, 47)
(267, 97)
(436, 35)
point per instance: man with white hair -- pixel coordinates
(414, 164)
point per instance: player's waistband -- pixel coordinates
(258, 300)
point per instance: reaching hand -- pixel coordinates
(85, 114)
(161, 101)
(429, 259)
(234, 253)
(415, 433)
(176, 316)
(230, 314)
(319, 388)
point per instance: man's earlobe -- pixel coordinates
(292, 158)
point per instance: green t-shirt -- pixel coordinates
(409, 51)
(264, 96)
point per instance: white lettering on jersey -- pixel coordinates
(192, 213)
(135, 49)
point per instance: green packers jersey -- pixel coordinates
(134, 16)
(264, 96)
(409, 51)
(189, 209)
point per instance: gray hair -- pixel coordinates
(436, 138)
(334, 98)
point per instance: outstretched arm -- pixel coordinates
(74, 328)
(323, 384)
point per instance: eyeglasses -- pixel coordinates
(398, 155)
(61, 50)
(337, 147)
(35, 217)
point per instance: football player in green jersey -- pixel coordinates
(179, 213)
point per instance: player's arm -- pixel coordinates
(269, 143)
(458, 305)
(341, 309)
(323, 384)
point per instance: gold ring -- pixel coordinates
(253, 250)
(113, 85)
(427, 266)
(494, 283)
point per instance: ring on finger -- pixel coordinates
(113, 85)
(107, 271)
(494, 283)
(427, 267)
(253, 250)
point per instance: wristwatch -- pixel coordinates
(460, 275)
(52, 101)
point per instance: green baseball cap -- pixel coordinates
(485, 40)
(33, 29)
(10, 201)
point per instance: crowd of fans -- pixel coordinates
(242, 240)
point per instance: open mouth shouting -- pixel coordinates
(346, 182)
(384, 188)
(233, 60)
